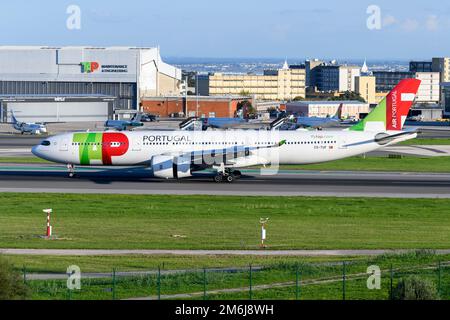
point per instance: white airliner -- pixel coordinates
(24, 127)
(177, 154)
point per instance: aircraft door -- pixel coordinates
(64, 144)
(137, 145)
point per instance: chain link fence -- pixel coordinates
(344, 280)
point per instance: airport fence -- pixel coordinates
(346, 280)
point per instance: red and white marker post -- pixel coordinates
(263, 222)
(49, 227)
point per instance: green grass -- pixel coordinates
(222, 222)
(403, 164)
(30, 159)
(59, 264)
(426, 141)
(420, 263)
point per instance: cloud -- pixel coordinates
(389, 20)
(410, 25)
(432, 23)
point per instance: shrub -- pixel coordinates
(11, 284)
(415, 288)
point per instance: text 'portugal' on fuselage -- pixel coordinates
(176, 154)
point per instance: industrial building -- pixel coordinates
(420, 66)
(324, 109)
(59, 77)
(429, 91)
(282, 84)
(365, 87)
(442, 65)
(193, 106)
(328, 77)
(445, 97)
(387, 80)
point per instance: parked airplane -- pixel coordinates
(31, 127)
(320, 122)
(177, 154)
(123, 125)
(222, 123)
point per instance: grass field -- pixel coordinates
(220, 222)
(404, 164)
(30, 159)
(426, 141)
(276, 280)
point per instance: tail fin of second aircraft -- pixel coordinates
(13, 117)
(390, 114)
(338, 114)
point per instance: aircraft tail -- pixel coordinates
(137, 117)
(390, 114)
(14, 120)
(338, 114)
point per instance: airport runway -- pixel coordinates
(54, 179)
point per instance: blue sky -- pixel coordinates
(237, 28)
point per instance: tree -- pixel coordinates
(11, 284)
(298, 98)
(415, 288)
(247, 108)
(348, 95)
(244, 93)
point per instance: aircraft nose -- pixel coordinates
(35, 151)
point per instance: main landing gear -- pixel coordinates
(227, 176)
(71, 170)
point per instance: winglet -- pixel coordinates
(282, 142)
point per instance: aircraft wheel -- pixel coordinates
(230, 178)
(218, 178)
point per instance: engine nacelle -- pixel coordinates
(169, 167)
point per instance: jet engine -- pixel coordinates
(169, 167)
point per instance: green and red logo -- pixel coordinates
(100, 147)
(89, 67)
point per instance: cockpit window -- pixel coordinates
(45, 143)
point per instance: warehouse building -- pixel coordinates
(350, 109)
(193, 106)
(84, 77)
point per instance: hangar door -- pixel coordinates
(58, 111)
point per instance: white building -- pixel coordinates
(123, 74)
(347, 76)
(327, 108)
(429, 89)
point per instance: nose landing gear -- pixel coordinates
(71, 170)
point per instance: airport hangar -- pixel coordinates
(70, 84)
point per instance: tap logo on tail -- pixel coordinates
(391, 112)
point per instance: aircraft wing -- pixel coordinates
(226, 156)
(385, 138)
